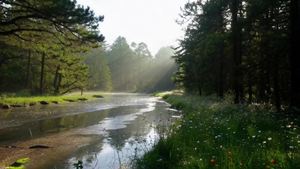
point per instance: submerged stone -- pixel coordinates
(98, 96)
(82, 99)
(44, 102)
(69, 100)
(39, 147)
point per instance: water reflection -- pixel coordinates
(137, 133)
(16, 116)
(127, 124)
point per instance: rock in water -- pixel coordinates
(69, 100)
(83, 99)
(98, 96)
(44, 102)
(39, 147)
(5, 106)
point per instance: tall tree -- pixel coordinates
(237, 50)
(55, 33)
(295, 53)
(243, 43)
(99, 71)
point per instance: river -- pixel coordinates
(123, 126)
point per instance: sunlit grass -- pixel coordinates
(19, 164)
(24, 100)
(167, 93)
(215, 134)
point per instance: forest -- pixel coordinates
(239, 65)
(50, 48)
(90, 85)
(244, 47)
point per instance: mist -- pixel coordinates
(130, 68)
(152, 22)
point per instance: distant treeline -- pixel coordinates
(124, 67)
(245, 47)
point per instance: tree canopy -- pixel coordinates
(63, 17)
(42, 42)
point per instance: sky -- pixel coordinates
(149, 21)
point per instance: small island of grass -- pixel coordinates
(9, 101)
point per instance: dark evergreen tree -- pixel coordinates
(241, 47)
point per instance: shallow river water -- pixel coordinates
(128, 125)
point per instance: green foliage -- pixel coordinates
(41, 43)
(99, 72)
(59, 18)
(26, 100)
(215, 134)
(19, 164)
(239, 46)
(134, 69)
(74, 74)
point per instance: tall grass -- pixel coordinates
(215, 134)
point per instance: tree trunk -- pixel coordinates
(250, 90)
(276, 86)
(237, 53)
(56, 80)
(199, 89)
(221, 71)
(28, 72)
(295, 54)
(42, 74)
(58, 83)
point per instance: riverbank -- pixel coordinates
(7, 102)
(216, 134)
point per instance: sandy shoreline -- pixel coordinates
(62, 145)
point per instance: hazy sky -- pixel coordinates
(149, 21)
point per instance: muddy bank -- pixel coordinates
(61, 146)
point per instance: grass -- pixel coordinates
(168, 93)
(19, 164)
(216, 134)
(25, 100)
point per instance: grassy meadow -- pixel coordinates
(216, 134)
